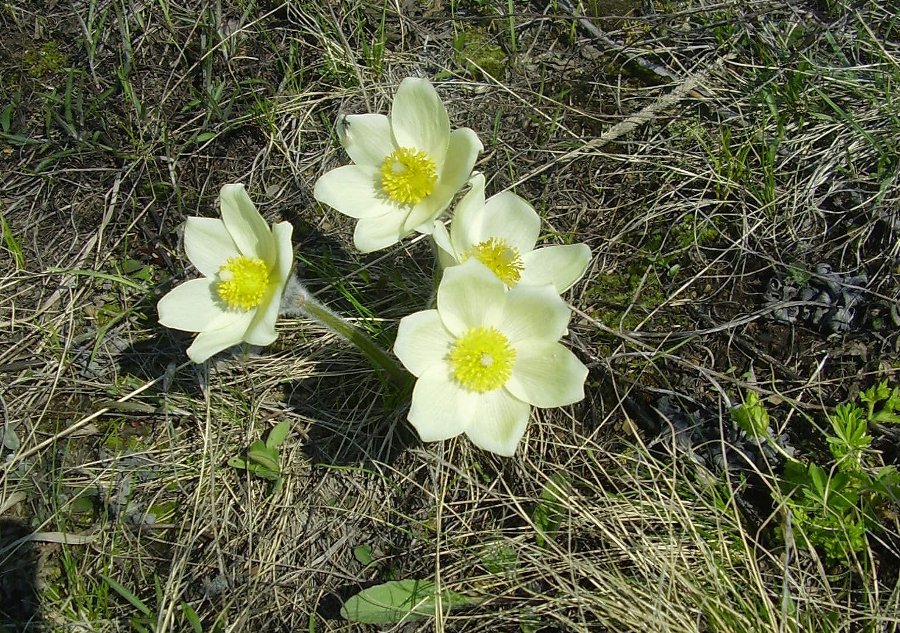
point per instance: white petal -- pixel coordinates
(460, 160)
(209, 342)
(247, 227)
(534, 312)
(208, 244)
(372, 234)
(192, 307)
(419, 118)
(355, 191)
(261, 329)
(422, 341)
(470, 296)
(422, 216)
(440, 409)
(468, 216)
(547, 375)
(499, 422)
(508, 216)
(445, 252)
(366, 138)
(560, 266)
(282, 232)
(462, 152)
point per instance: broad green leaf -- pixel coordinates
(278, 434)
(399, 601)
(363, 553)
(257, 469)
(818, 478)
(263, 455)
(9, 438)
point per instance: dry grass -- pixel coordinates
(699, 148)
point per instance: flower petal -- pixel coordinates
(508, 216)
(470, 296)
(419, 118)
(353, 190)
(366, 138)
(534, 312)
(461, 157)
(499, 422)
(422, 217)
(440, 408)
(372, 234)
(208, 244)
(462, 152)
(192, 307)
(261, 330)
(445, 252)
(209, 342)
(247, 227)
(422, 341)
(547, 375)
(468, 215)
(560, 266)
(282, 232)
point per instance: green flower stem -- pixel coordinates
(343, 328)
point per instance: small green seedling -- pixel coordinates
(549, 513)
(883, 403)
(836, 508)
(751, 416)
(850, 437)
(263, 459)
(401, 601)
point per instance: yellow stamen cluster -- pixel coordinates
(501, 258)
(242, 282)
(408, 175)
(482, 359)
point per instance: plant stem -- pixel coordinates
(311, 308)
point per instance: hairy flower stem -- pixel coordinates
(300, 301)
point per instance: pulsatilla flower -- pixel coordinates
(245, 265)
(406, 167)
(485, 356)
(501, 233)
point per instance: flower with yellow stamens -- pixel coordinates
(485, 356)
(406, 167)
(245, 265)
(501, 232)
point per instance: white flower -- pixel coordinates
(501, 233)
(407, 167)
(245, 265)
(485, 356)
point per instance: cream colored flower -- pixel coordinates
(485, 356)
(501, 233)
(245, 265)
(406, 167)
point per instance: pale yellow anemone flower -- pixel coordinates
(485, 356)
(501, 233)
(406, 167)
(245, 265)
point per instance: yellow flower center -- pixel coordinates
(482, 359)
(500, 257)
(243, 282)
(408, 175)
